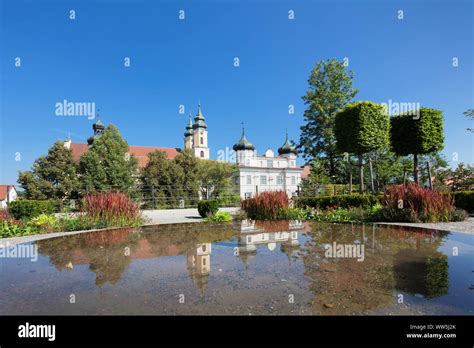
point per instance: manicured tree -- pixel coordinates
(108, 166)
(360, 128)
(52, 176)
(329, 90)
(417, 135)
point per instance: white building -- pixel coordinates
(269, 172)
(7, 194)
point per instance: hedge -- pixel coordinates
(464, 200)
(27, 209)
(207, 208)
(341, 201)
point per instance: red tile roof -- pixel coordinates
(306, 172)
(4, 191)
(140, 152)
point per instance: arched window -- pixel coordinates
(202, 154)
(202, 140)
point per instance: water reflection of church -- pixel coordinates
(252, 234)
(268, 233)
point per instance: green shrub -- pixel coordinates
(220, 216)
(13, 228)
(27, 209)
(44, 223)
(338, 201)
(464, 200)
(294, 213)
(458, 215)
(207, 208)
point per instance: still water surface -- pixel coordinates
(274, 268)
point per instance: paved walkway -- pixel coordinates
(460, 226)
(176, 216)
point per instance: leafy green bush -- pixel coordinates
(220, 216)
(341, 215)
(294, 213)
(338, 201)
(44, 223)
(464, 200)
(26, 209)
(13, 228)
(207, 208)
(458, 215)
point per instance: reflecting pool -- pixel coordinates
(244, 268)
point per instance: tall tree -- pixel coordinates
(108, 166)
(420, 135)
(52, 176)
(330, 89)
(215, 178)
(360, 128)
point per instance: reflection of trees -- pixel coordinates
(104, 251)
(421, 272)
(394, 259)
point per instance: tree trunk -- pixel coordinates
(415, 169)
(429, 175)
(350, 177)
(361, 174)
(371, 176)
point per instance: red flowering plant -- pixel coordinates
(10, 227)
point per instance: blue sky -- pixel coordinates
(175, 62)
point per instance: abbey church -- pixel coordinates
(195, 139)
(256, 173)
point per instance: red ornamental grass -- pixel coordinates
(428, 205)
(112, 207)
(266, 205)
(5, 214)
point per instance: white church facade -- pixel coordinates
(269, 172)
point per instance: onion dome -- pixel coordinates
(199, 121)
(98, 126)
(243, 144)
(287, 148)
(189, 128)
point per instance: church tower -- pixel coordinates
(200, 146)
(188, 135)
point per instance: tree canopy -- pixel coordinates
(53, 176)
(108, 166)
(418, 135)
(330, 89)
